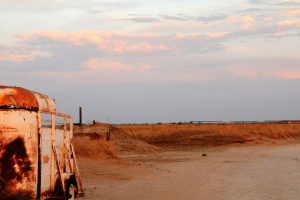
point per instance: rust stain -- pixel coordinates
(46, 159)
(47, 193)
(15, 169)
(18, 97)
(15, 164)
(16, 195)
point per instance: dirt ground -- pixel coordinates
(226, 172)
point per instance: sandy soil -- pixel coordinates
(236, 172)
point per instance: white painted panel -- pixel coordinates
(46, 156)
(59, 140)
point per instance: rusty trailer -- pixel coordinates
(37, 158)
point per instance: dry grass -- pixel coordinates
(90, 141)
(212, 134)
(101, 149)
(145, 138)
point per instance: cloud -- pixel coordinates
(244, 72)
(265, 72)
(289, 23)
(217, 35)
(108, 42)
(176, 18)
(211, 18)
(197, 43)
(288, 3)
(139, 19)
(293, 13)
(21, 53)
(99, 65)
(99, 71)
(288, 75)
(101, 57)
(106, 56)
(245, 21)
(30, 6)
(179, 17)
(155, 19)
(126, 44)
(256, 1)
(95, 65)
(43, 6)
(248, 19)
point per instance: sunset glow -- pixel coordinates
(155, 50)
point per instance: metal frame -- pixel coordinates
(68, 150)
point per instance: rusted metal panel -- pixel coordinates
(18, 154)
(18, 97)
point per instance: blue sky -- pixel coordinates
(158, 61)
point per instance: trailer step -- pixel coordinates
(80, 194)
(56, 198)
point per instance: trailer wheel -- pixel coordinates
(71, 193)
(72, 189)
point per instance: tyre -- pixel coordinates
(71, 192)
(72, 188)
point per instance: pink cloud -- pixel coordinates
(101, 71)
(293, 13)
(104, 41)
(102, 65)
(217, 35)
(174, 26)
(289, 22)
(245, 21)
(265, 72)
(98, 65)
(21, 53)
(244, 72)
(288, 75)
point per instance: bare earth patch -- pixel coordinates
(253, 172)
(213, 162)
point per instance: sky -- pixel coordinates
(156, 61)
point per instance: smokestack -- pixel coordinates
(80, 116)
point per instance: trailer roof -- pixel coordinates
(17, 97)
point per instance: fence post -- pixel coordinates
(80, 116)
(107, 134)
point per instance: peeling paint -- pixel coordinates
(46, 159)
